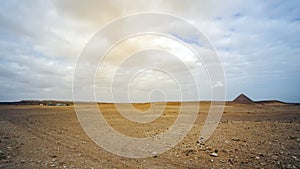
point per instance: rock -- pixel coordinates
(201, 140)
(235, 139)
(263, 163)
(2, 156)
(53, 156)
(154, 154)
(275, 157)
(214, 154)
(202, 147)
(189, 152)
(292, 137)
(295, 158)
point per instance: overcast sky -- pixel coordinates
(258, 43)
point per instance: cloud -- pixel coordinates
(257, 42)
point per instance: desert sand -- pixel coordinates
(257, 135)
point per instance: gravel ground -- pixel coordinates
(248, 136)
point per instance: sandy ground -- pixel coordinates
(248, 136)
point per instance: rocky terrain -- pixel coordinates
(248, 136)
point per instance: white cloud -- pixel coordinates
(257, 42)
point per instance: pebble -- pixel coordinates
(214, 154)
(53, 156)
(292, 137)
(189, 152)
(295, 158)
(275, 157)
(231, 161)
(235, 139)
(263, 163)
(154, 154)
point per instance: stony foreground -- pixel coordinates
(248, 136)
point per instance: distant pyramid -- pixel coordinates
(243, 99)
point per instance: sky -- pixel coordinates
(257, 43)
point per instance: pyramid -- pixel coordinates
(243, 99)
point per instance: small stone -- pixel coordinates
(22, 161)
(201, 140)
(275, 157)
(263, 163)
(295, 158)
(214, 154)
(154, 154)
(53, 156)
(235, 139)
(231, 161)
(201, 147)
(257, 158)
(34, 137)
(189, 152)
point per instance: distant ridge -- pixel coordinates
(243, 99)
(38, 102)
(273, 102)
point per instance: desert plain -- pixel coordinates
(253, 135)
